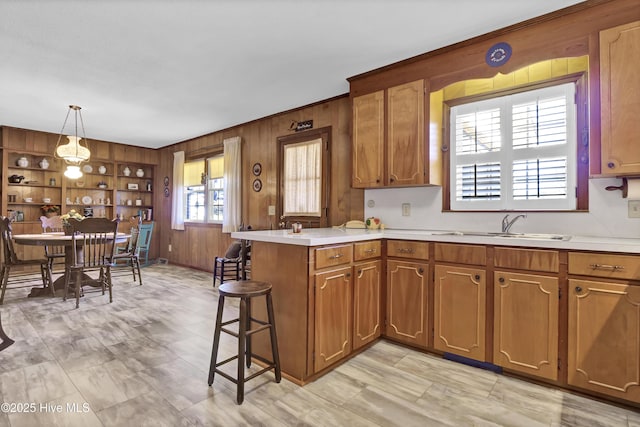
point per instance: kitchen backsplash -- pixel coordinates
(607, 214)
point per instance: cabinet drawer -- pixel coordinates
(333, 255)
(461, 254)
(527, 259)
(408, 249)
(605, 265)
(366, 250)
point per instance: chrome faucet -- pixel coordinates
(506, 224)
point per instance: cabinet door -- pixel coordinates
(526, 323)
(460, 310)
(405, 122)
(604, 338)
(407, 302)
(366, 302)
(332, 317)
(368, 140)
(620, 105)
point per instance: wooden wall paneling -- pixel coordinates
(546, 37)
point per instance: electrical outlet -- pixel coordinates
(169, 247)
(634, 209)
(406, 209)
(272, 210)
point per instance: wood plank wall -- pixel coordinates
(198, 245)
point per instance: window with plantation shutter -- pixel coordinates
(515, 152)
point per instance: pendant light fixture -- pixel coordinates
(73, 152)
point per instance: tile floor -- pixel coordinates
(143, 361)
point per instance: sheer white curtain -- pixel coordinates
(302, 178)
(177, 198)
(232, 183)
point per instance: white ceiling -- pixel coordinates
(155, 72)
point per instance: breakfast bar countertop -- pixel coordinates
(331, 236)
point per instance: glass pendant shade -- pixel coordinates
(73, 172)
(73, 152)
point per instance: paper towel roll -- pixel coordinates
(633, 189)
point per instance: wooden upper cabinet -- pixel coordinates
(620, 104)
(405, 141)
(389, 137)
(368, 140)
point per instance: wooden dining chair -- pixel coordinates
(92, 249)
(131, 252)
(53, 252)
(11, 260)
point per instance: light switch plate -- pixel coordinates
(634, 209)
(272, 210)
(406, 209)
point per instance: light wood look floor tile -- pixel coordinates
(144, 360)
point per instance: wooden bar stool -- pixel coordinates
(245, 290)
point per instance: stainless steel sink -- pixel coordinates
(534, 236)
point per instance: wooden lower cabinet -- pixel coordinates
(525, 335)
(367, 285)
(333, 308)
(407, 302)
(604, 338)
(460, 311)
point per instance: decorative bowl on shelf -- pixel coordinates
(102, 184)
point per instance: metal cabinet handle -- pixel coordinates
(477, 277)
(421, 270)
(336, 256)
(501, 280)
(405, 250)
(606, 267)
(369, 251)
(578, 289)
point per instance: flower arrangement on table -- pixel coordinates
(50, 210)
(71, 214)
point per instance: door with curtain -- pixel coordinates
(303, 178)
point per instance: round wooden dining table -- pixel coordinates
(56, 239)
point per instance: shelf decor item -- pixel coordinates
(140, 173)
(73, 153)
(102, 169)
(44, 164)
(126, 171)
(50, 210)
(23, 162)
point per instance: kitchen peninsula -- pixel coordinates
(456, 293)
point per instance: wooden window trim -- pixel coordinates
(582, 131)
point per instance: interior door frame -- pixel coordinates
(307, 222)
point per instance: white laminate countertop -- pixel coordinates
(331, 236)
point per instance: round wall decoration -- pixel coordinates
(498, 54)
(257, 169)
(166, 192)
(166, 181)
(257, 185)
